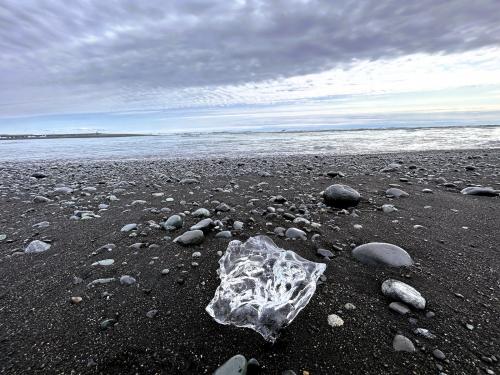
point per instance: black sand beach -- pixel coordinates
(158, 325)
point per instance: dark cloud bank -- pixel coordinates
(78, 46)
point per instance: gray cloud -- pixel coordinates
(55, 49)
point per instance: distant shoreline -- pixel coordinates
(10, 137)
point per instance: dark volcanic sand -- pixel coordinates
(42, 332)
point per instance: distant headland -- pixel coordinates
(78, 135)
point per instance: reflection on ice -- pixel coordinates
(262, 286)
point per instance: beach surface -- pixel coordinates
(56, 319)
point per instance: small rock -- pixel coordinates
(324, 253)
(403, 292)
(104, 262)
(335, 320)
(63, 190)
(483, 191)
(201, 212)
(36, 246)
(379, 253)
(38, 175)
(396, 193)
(388, 208)
(224, 234)
(399, 307)
(403, 344)
(279, 231)
(41, 199)
(278, 199)
(430, 314)
(101, 281)
(425, 333)
(223, 207)
(253, 366)
(188, 181)
(341, 196)
(237, 225)
(393, 167)
(127, 280)
(349, 306)
(438, 354)
(128, 227)
(107, 323)
(295, 233)
(335, 174)
(204, 225)
(173, 222)
(236, 365)
(189, 238)
(41, 225)
(76, 300)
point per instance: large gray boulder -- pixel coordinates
(341, 196)
(382, 254)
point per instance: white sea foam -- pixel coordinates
(201, 145)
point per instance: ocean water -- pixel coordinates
(200, 145)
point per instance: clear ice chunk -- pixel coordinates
(263, 287)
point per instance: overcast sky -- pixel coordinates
(203, 64)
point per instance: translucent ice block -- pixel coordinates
(262, 286)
